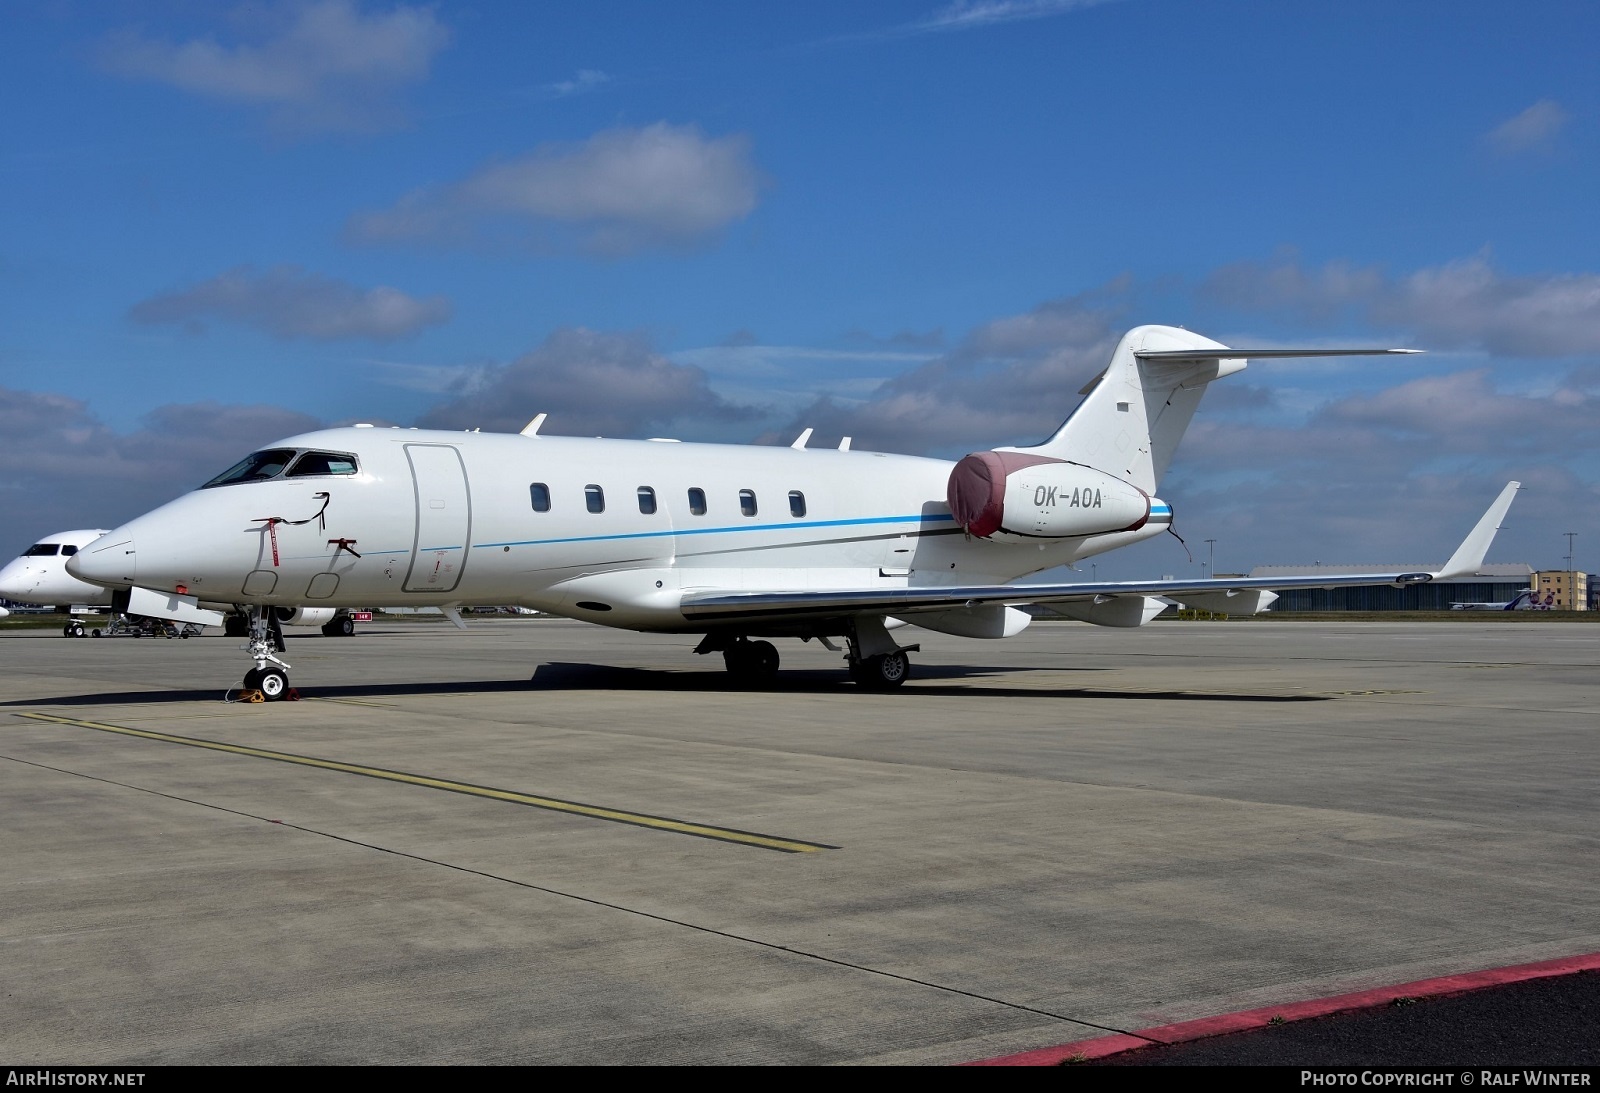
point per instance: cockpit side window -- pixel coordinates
(42, 550)
(68, 550)
(322, 463)
(256, 467)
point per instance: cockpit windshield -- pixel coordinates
(322, 463)
(272, 462)
(254, 468)
(42, 550)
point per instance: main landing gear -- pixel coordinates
(751, 661)
(875, 662)
(883, 672)
(270, 677)
(341, 626)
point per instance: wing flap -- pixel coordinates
(741, 606)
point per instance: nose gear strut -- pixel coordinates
(270, 676)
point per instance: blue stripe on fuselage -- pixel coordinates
(718, 531)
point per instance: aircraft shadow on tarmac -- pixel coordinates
(568, 676)
(928, 680)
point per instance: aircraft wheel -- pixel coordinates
(344, 626)
(882, 673)
(95, 632)
(752, 661)
(271, 682)
(66, 631)
(763, 660)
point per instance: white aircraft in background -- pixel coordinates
(1525, 600)
(39, 576)
(732, 542)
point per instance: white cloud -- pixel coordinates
(288, 302)
(1461, 304)
(62, 467)
(1011, 380)
(591, 384)
(621, 191)
(971, 14)
(327, 66)
(587, 79)
(1533, 130)
(1399, 474)
(434, 379)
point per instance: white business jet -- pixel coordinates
(733, 542)
(39, 575)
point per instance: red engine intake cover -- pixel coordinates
(977, 489)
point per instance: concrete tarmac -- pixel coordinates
(544, 842)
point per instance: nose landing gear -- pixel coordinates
(270, 676)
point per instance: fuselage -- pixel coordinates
(609, 531)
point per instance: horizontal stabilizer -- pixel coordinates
(1176, 355)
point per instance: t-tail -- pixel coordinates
(1135, 412)
(1098, 474)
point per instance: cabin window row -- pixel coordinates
(594, 499)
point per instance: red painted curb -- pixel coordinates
(1101, 1046)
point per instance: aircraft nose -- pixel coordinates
(109, 560)
(17, 579)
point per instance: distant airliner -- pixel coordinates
(737, 543)
(1526, 600)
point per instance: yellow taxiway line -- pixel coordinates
(554, 804)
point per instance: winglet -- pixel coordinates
(533, 427)
(1469, 556)
(800, 441)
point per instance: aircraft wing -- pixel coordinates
(737, 607)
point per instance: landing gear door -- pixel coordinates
(444, 518)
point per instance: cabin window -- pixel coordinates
(540, 493)
(594, 497)
(256, 467)
(697, 501)
(42, 550)
(68, 550)
(647, 500)
(747, 502)
(318, 463)
(797, 504)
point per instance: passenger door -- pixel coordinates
(444, 518)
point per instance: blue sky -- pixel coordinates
(921, 224)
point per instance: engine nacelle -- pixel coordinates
(1012, 494)
(306, 616)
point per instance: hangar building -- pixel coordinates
(1493, 583)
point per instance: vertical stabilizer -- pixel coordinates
(1132, 417)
